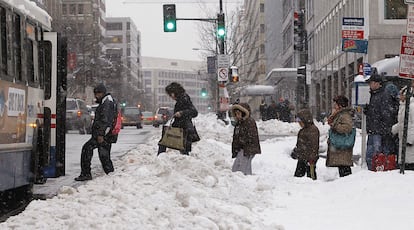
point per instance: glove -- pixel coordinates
(366, 108)
(294, 154)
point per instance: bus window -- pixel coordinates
(45, 67)
(3, 41)
(29, 62)
(18, 47)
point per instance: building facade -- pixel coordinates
(333, 70)
(250, 41)
(83, 23)
(123, 50)
(159, 72)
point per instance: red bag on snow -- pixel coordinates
(382, 162)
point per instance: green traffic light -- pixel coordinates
(170, 18)
(203, 92)
(170, 26)
(221, 32)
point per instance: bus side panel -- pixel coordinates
(14, 169)
(61, 105)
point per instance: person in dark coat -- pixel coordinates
(380, 115)
(263, 110)
(184, 111)
(245, 142)
(101, 136)
(272, 110)
(284, 111)
(340, 121)
(307, 145)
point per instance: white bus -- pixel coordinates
(32, 100)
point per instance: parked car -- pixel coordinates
(131, 116)
(92, 110)
(147, 118)
(78, 116)
(162, 115)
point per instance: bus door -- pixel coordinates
(53, 68)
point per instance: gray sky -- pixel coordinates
(148, 17)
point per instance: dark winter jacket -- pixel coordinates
(272, 111)
(307, 145)
(381, 113)
(104, 116)
(245, 134)
(188, 111)
(341, 123)
(284, 111)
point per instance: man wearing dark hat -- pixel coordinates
(380, 115)
(101, 136)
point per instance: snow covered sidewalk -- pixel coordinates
(173, 191)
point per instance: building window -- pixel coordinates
(128, 25)
(128, 38)
(72, 9)
(395, 9)
(262, 28)
(262, 48)
(80, 9)
(64, 9)
(286, 7)
(114, 26)
(262, 8)
(128, 51)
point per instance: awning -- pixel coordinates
(282, 72)
(388, 66)
(258, 90)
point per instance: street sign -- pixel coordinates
(407, 57)
(223, 61)
(356, 46)
(211, 64)
(367, 69)
(410, 19)
(353, 35)
(222, 74)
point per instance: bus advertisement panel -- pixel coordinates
(12, 113)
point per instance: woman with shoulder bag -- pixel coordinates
(341, 122)
(184, 111)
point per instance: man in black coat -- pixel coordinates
(101, 135)
(380, 115)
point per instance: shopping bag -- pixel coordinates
(173, 138)
(382, 162)
(342, 141)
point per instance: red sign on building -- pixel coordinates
(353, 34)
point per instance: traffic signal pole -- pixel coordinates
(170, 18)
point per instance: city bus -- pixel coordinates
(32, 100)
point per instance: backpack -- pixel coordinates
(116, 124)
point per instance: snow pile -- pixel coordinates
(173, 191)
